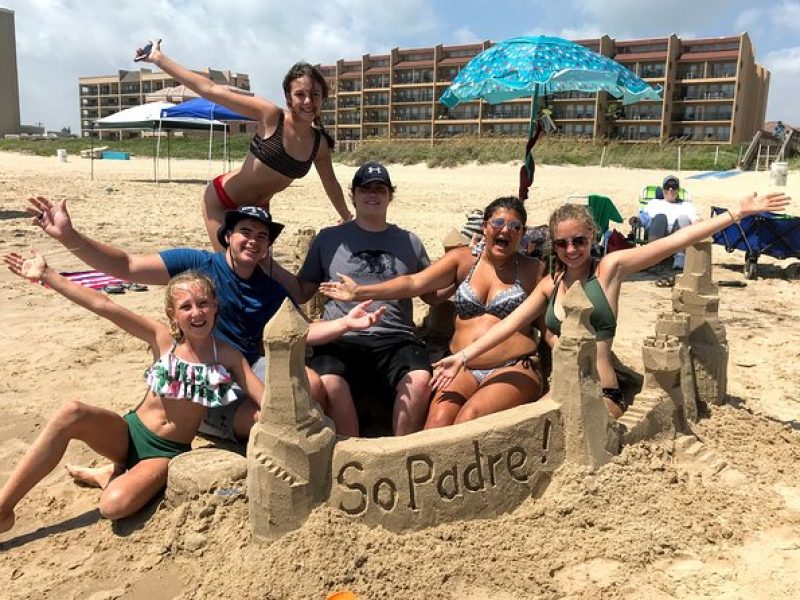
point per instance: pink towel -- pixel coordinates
(92, 279)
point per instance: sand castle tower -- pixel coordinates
(697, 296)
(588, 430)
(290, 448)
(303, 239)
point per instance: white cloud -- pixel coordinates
(464, 35)
(784, 62)
(786, 16)
(783, 88)
(61, 40)
(749, 19)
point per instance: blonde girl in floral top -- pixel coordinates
(192, 372)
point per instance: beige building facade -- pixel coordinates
(9, 81)
(713, 93)
(101, 96)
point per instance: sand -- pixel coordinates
(654, 523)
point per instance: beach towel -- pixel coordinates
(92, 279)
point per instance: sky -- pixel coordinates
(61, 40)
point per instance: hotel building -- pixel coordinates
(9, 84)
(713, 93)
(105, 95)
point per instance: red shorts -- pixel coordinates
(223, 196)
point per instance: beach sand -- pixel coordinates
(651, 524)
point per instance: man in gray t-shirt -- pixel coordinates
(370, 250)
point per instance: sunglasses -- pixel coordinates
(514, 226)
(670, 186)
(579, 241)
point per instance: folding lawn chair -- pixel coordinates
(652, 192)
(773, 234)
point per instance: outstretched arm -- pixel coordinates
(54, 220)
(626, 262)
(259, 109)
(35, 268)
(359, 318)
(332, 187)
(446, 369)
(439, 275)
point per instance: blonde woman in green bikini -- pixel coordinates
(192, 372)
(572, 230)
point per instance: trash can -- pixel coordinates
(778, 173)
(61, 153)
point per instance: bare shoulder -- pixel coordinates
(228, 355)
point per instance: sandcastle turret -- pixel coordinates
(303, 238)
(697, 296)
(290, 448)
(588, 430)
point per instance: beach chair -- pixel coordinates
(773, 234)
(651, 192)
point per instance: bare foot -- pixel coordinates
(6, 521)
(98, 477)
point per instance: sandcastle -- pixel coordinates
(489, 466)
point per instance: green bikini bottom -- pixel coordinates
(144, 444)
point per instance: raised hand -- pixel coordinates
(51, 216)
(360, 318)
(753, 203)
(343, 290)
(149, 53)
(32, 268)
(445, 370)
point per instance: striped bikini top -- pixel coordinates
(205, 384)
(271, 152)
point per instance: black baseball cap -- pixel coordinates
(671, 179)
(232, 217)
(370, 172)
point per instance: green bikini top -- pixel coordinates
(602, 317)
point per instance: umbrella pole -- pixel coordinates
(169, 156)
(158, 148)
(532, 127)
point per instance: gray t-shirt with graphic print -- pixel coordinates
(368, 257)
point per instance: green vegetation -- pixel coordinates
(549, 150)
(179, 147)
(442, 153)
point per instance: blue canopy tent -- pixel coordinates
(200, 108)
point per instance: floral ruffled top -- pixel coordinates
(205, 384)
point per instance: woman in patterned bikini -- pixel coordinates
(283, 134)
(192, 372)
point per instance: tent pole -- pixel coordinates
(155, 176)
(210, 138)
(91, 149)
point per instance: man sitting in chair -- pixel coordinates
(663, 216)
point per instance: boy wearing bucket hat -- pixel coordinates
(370, 249)
(247, 296)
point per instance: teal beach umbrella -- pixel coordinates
(531, 66)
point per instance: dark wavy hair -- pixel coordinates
(304, 69)
(509, 203)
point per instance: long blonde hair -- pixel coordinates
(187, 277)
